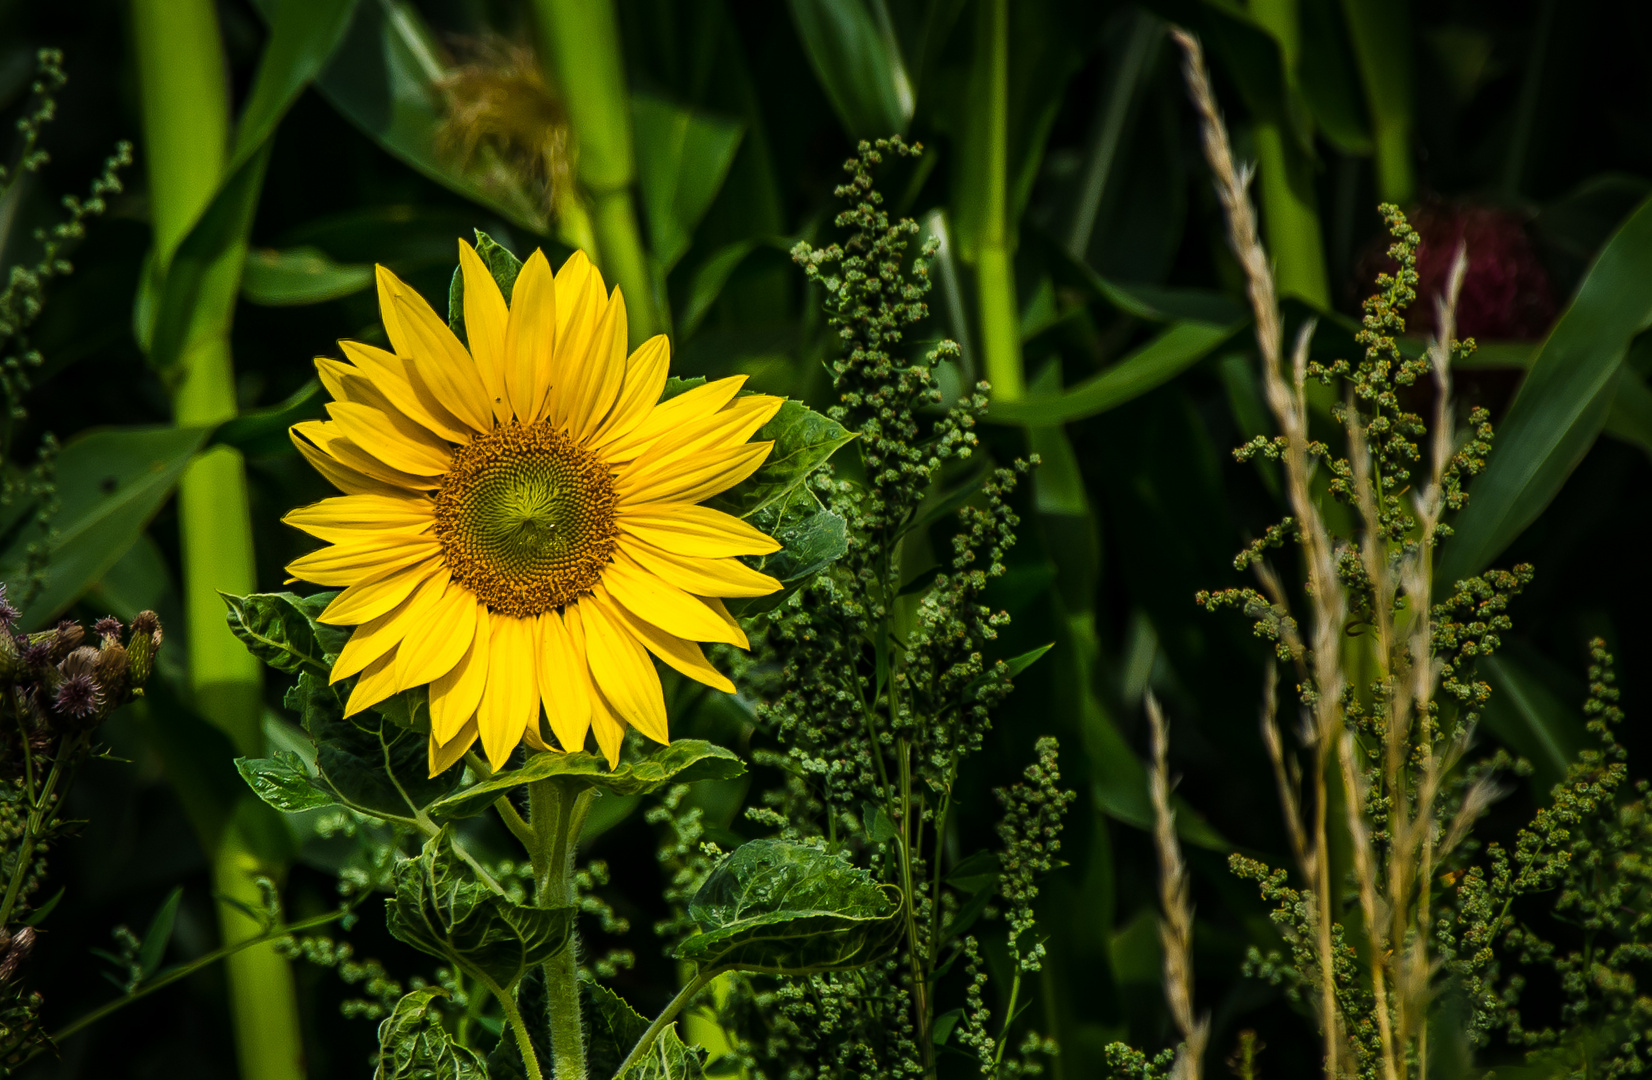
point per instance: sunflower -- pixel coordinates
(520, 525)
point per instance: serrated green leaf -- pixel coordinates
(283, 630)
(371, 762)
(776, 906)
(413, 1045)
(298, 276)
(443, 909)
(614, 1028)
(803, 440)
(683, 762)
(283, 782)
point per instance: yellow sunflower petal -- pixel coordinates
(600, 377)
(651, 598)
(455, 696)
(399, 381)
(485, 319)
(511, 700)
(375, 638)
(367, 600)
(443, 363)
(357, 387)
(690, 529)
(693, 478)
(645, 374)
(444, 755)
(345, 516)
(683, 655)
(667, 416)
(376, 683)
(366, 426)
(622, 671)
(330, 439)
(347, 564)
(533, 359)
(564, 687)
(702, 576)
(338, 474)
(424, 658)
(581, 300)
(535, 738)
(729, 426)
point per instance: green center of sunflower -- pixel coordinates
(525, 518)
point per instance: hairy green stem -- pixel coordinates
(556, 814)
(39, 814)
(582, 50)
(669, 1013)
(994, 257)
(524, 1041)
(185, 103)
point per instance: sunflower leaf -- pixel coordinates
(374, 764)
(283, 782)
(614, 1028)
(501, 263)
(683, 762)
(444, 909)
(776, 906)
(803, 440)
(282, 630)
(413, 1044)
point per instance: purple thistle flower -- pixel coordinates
(8, 613)
(37, 653)
(78, 696)
(108, 627)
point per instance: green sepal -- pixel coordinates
(501, 263)
(413, 1045)
(443, 908)
(683, 762)
(283, 630)
(779, 907)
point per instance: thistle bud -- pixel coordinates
(12, 667)
(141, 648)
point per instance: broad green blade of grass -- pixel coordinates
(855, 56)
(1383, 43)
(683, 156)
(1563, 403)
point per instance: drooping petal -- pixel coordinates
(701, 576)
(375, 638)
(398, 379)
(338, 474)
(608, 728)
(347, 564)
(651, 598)
(622, 671)
(367, 600)
(645, 374)
(455, 696)
(511, 700)
(485, 319)
(683, 655)
(366, 426)
(443, 363)
(694, 478)
(690, 529)
(377, 682)
(564, 686)
(534, 363)
(329, 438)
(443, 756)
(426, 657)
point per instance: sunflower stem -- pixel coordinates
(556, 814)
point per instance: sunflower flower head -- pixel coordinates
(521, 528)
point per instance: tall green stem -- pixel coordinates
(185, 103)
(995, 252)
(556, 813)
(582, 49)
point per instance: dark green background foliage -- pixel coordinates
(1530, 120)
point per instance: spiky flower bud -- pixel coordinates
(108, 628)
(141, 648)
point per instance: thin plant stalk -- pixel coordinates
(556, 814)
(582, 48)
(994, 256)
(185, 103)
(1176, 923)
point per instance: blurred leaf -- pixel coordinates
(776, 906)
(803, 440)
(683, 157)
(684, 761)
(1528, 715)
(413, 1045)
(299, 276)
(283, 782)
(708, 280)
(383, 79)
(855, 56)
(303, 36)
(441, 908)
(614, 1027)
(265, 430)
(1327, 78)
(153, 949)
(1562, 404)
(1177, 348)
(110, 483)
(1629, 418)
(284, 630)
(371, 762)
